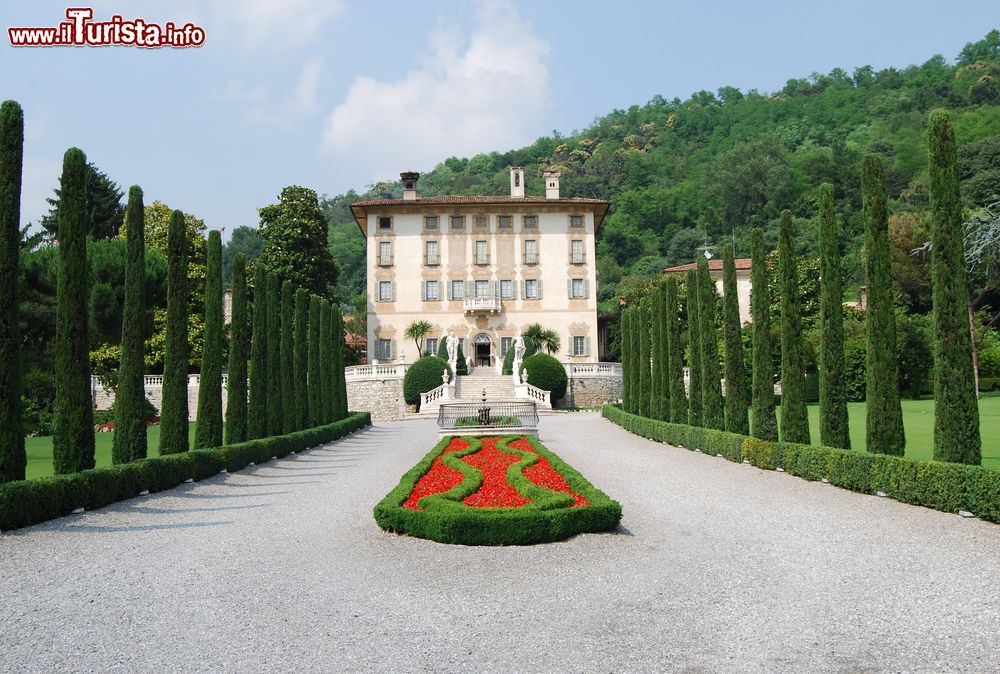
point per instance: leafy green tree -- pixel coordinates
(884, 415)
(675, 362)
(462, 365)
(174, 410)
(12, 454)
(156, 218)
(239, 352)
(289, 413)
(245, 241)
(103, 210)
(713, 410)
(208, 432)
(129, 441)
(295, 241)
(301, 362)
(695, 392)
(73, 424)
(794, 418)
(765, 424)
(257, 420)
(644, 371)
(416, 331)
(315, 376)
(833, 428)
(736, 383)
(956, 412)
(275, 405)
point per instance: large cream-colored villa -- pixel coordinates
(482, 268)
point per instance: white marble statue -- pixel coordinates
(451, 344)
(518, 347)
(524, 376)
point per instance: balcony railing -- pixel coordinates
(385, 260)
(531, 258)
(482, 259)
(432, 260)
(578, 258)
(491, 305)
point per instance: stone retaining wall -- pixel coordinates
(153, 385)
(591, 391)
(383, 398)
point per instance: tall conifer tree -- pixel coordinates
(656, 365)
(325, 362)
(315, 376)
(712, 409)
(13, 458)
(956, 410)
(208, 432)
(884, 423)
(239, 352)
(301, 358)
(765, 424)
(736, 385)
(695, 393)
(289, 413)
(257, 418)
(174, 411)
(675, 356)
(625, 340)
(339, 381)
(73, 420)
(664, 354)
(794, 417)
(644, 371)
(129, 441)
(833, 428)
(275, 408)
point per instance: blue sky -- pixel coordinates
(336, 94)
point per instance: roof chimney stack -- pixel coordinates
(551, 184)
(409, 179)
(517, 182)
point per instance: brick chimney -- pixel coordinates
(517, 182)
(551, 184)
(409, 179)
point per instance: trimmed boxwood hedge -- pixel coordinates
(545, 519)
(29, 502)
(949, 487)
(423, 376)
(546, 373)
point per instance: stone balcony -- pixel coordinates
(482, 305)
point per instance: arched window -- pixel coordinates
(517, 179)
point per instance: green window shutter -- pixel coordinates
(586, 292)
(393, 286)
(586, 345)
(569, 288)
(539, 288)
(423, 290)
(451, 294)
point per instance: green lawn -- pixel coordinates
(918, 422)
(40, 450)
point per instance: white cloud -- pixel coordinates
(291, 108)
(488, 92)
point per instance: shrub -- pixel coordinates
(546, 373)
(27, 502)
(423, 376)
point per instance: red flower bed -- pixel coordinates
(439, 479)
(544, 475)
(495, 491)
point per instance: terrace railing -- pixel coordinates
(495, 417)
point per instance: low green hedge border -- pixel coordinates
(32, 501)
(933, 484)
(546, 519)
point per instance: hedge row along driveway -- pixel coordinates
(950, 487)
(33, 501)
(507, 490)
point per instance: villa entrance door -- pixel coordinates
(484, 349)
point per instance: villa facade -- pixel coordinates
(482, 268)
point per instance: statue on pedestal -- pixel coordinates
(451, 344)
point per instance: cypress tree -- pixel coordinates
(301, 358)
(625, 340)
(794, 416)
(208, 432)
(956, 411)
(325, 362)
(695, 393)
(339, 382)
(675, 358)
(13, 458)
(884, 414)
(655, 335)
(239, 349)
(257, 416)
(129, 441)
(736, 385)
(73, 419)
(712, 409)
(174, 411)
(289, 413)
(765, 424)
(314, 377)
(664, 354)
(275, 415)
(833, 428)
(644, 371)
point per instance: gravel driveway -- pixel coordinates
(717, 567)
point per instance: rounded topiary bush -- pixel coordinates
(423, 376)
(546, 373)
(508, 358)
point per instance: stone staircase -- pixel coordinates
(469, 387)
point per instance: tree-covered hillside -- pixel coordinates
(680, 174)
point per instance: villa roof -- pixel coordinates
(360, 208)
(741, 263)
